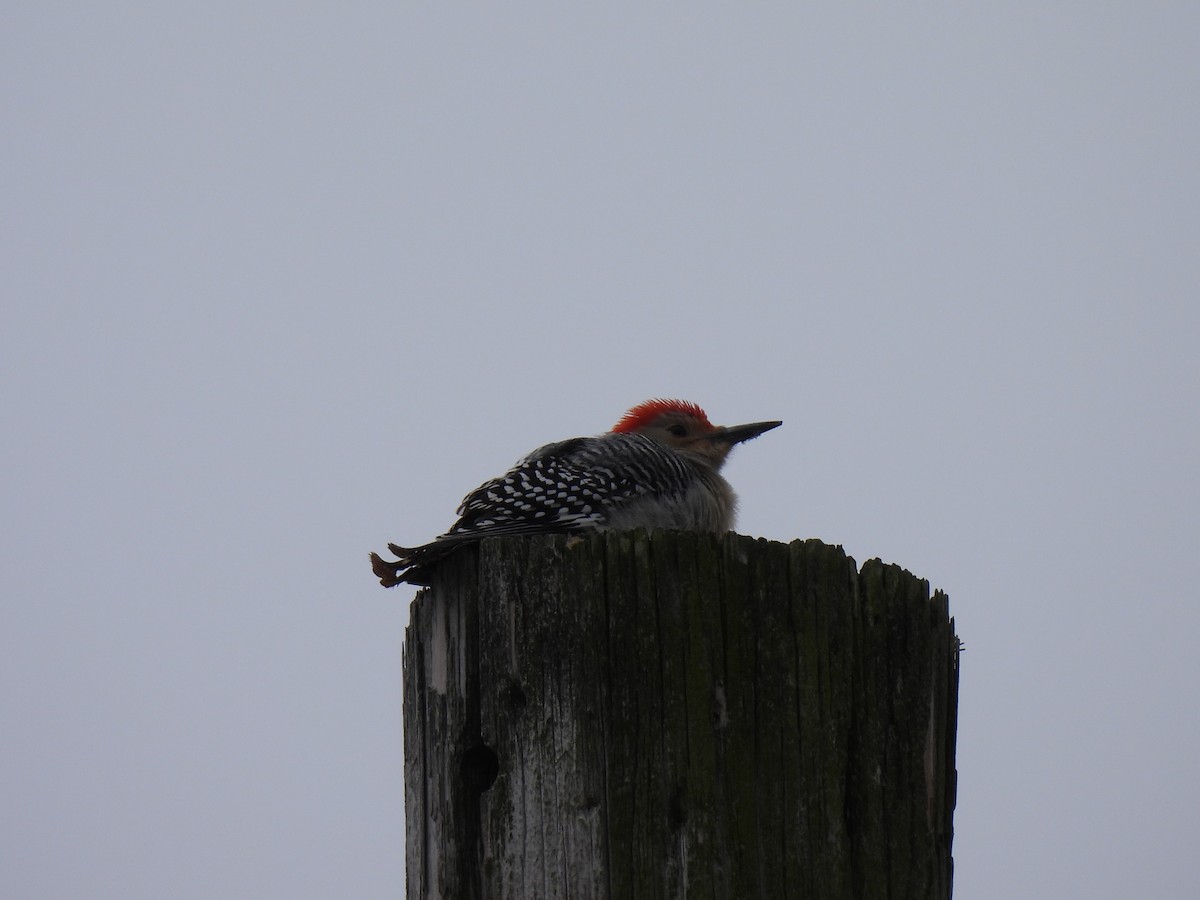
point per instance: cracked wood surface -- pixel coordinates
(633, 715)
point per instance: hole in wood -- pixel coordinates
(676, 811)
(516, 696)
(480, 766)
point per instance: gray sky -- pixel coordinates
(282, 284)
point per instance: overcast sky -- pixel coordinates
(283, 282)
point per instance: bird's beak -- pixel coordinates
(735, 434)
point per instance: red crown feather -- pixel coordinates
(645, 413)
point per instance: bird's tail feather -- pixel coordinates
(412, 563)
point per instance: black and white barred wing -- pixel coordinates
(569, 486)
(576, 485)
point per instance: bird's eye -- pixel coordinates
(677, 430)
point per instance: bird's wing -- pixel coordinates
(569, 486)
(565, 486)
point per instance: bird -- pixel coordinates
(659, 467)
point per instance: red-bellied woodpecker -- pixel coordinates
(659, 467)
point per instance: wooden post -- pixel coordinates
(633, 715)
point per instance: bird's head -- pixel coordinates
(684, 427)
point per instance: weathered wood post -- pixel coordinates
(634, 715)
